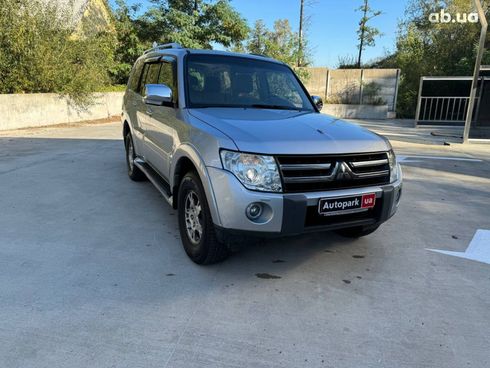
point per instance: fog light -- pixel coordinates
(398, 195)
(253, 211)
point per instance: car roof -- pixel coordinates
(179, 52)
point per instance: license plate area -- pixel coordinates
(347, 204)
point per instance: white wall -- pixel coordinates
(40, 109)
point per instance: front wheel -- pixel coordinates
(357, 232)
(196, 225)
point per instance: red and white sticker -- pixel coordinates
(368, 200)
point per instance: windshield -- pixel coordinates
(227, 81)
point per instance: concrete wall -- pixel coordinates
(347, 85)
(356, 111)
(317, 83)
(39, 109)
(388, 80)
(344, 84)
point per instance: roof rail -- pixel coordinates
(155, 47)
(261, 55)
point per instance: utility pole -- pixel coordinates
(476, 74)
(300, 36)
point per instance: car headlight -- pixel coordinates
(255, 172)
(394, 167)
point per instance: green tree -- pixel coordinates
(38, 52)
(128, 45)
(193, 23)
(256, 44)
(280, 43)
(366, 34)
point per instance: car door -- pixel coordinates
(145, 111)
(161, 121)
(133, 102)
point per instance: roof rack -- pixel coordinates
(155, 47)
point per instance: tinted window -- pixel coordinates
(136, 76)
(151, 75)
(227, 81)
(167, 75)
(142, 79)
(280, 84)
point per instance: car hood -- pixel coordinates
(290, 132)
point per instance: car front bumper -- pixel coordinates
(293, 213)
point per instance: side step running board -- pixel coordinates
(159, 183)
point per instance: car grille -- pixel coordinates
(307, 173)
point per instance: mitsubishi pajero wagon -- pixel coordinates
(236, 144)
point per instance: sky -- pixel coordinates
(332, 32)
(333, 24)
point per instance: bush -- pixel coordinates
(347, 62)
(113, 88)
(348, 94)
(370, 94)
(40, 53)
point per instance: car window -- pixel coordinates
(151, 75)
(281, 85)
(136, 76)
(226, 81)
(221, 84)
(141, 82)
(168, 75)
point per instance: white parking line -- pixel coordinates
(478, 250)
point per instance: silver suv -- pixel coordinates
(236, 144)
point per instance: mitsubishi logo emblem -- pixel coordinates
(343, 171)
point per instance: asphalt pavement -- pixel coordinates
(93, 274)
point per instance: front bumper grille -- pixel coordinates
(307, 173)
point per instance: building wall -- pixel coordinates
(96, 18)
(88, 17)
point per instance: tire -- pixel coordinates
(357, 232)
(133, 172)
(202, 246)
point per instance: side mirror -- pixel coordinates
(317, 100)
(158, 94)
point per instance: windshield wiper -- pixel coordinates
(275, 107)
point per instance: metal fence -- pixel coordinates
(443, 109)
(445, 100)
